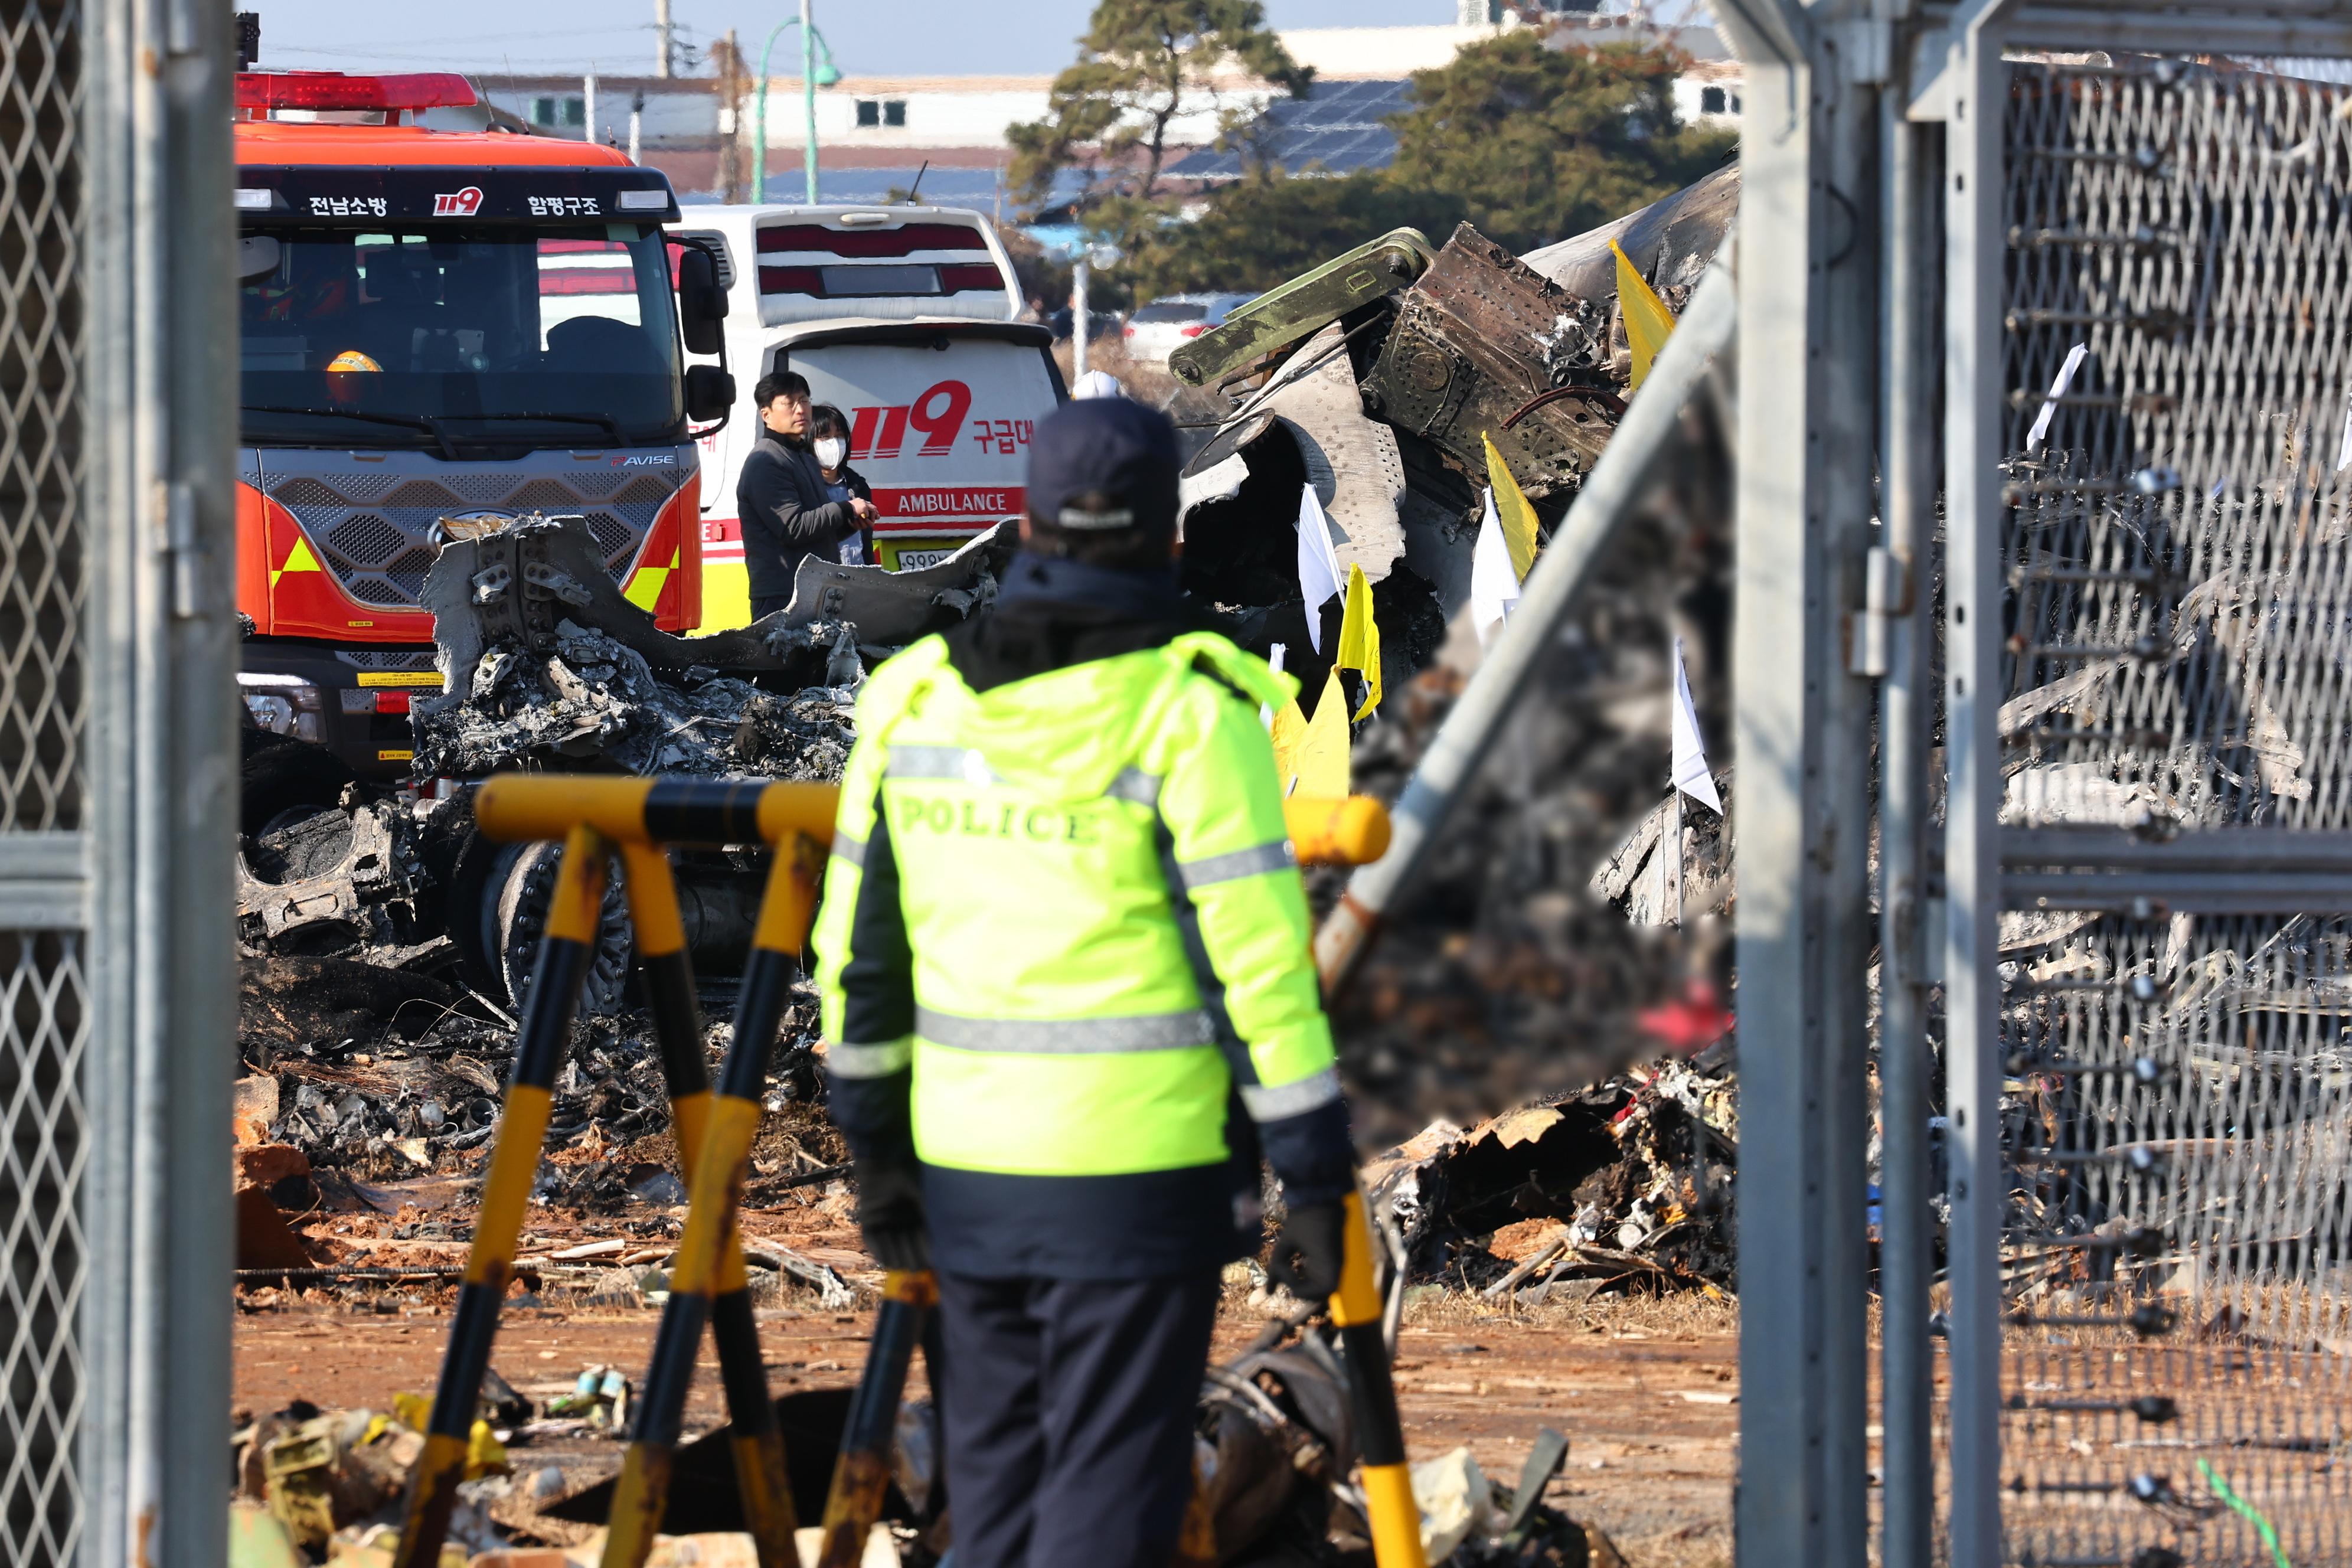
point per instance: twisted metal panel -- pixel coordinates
(2175, 964)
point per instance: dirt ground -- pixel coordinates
(1645, 1391)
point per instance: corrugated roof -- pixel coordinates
(1337, 126)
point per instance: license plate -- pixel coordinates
(909, 560)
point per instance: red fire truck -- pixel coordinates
(441, 331)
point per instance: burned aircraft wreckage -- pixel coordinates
(1376, 379)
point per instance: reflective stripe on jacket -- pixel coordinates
(1103, 931)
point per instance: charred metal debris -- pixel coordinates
(388, 944)
(1625, 1187)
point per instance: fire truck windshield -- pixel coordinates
(501, 334)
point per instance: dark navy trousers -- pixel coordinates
(1068, 1408)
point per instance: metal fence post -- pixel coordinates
(1975, 93)
(160, 628)
(1902, 592)
(1808, 267)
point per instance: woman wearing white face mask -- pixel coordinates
(829, 442)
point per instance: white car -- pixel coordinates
(1165, 325)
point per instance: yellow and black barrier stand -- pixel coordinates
(1356, 1311)
(1324, 830)
(758, 1442)
(573, 915)
(729, 1126)
(861, 1473)
(1336, 829)
(655, 810)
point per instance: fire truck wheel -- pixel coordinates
(279, 774)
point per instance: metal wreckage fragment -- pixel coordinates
(1378, 379)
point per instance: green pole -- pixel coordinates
(808, 96)
(759, 116)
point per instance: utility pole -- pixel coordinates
(808, 102)
(588, 105)
(661, 39)
(730, 59)
(636, 123)
(1078, 323)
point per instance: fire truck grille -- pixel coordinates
(613, 535)
(545, 495)
(302, 494)
(373, 529)
(380, 590)
(383, 658)
(363, 488)
(424, 494)
(364, 541)
(644, 490)
(407, 574)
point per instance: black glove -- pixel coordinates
(890, 1214)
(1308, 1250)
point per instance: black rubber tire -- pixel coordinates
(279, 774)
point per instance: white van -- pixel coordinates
(904, 318)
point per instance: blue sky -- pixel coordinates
(876, 38)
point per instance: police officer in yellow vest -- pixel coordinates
(1068, 1004)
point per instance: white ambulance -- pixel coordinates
(906, 319)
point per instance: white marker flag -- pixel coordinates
(1318, 568)
(1493, 586)
(2057, 390)
(1691, 774)
(1274, 656)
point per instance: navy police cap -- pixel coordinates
(1103, 463)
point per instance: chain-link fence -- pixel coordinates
(2174, 970)
(42, 317)
(44, 1027)
(42, 1032)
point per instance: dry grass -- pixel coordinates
(1695, 1546)
(1683, 1313)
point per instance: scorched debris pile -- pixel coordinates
(389, 943)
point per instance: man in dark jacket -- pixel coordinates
(781, 497)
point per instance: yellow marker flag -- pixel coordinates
(1360, 640)
(1288, 732)
(1648, 322)
(1321, 756)
(1513, 511)
(484, 1453)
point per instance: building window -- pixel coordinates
(1712, 100)
(542, 111)
(575, 112)
(873, 112)
(894, 111)
(870, 111)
